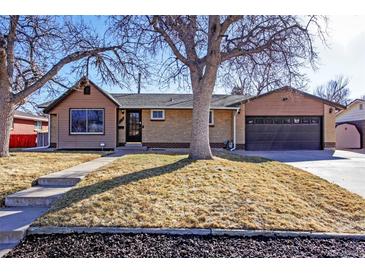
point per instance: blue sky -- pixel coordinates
(344, 54)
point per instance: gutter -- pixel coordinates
(30, 118)
(234, 130)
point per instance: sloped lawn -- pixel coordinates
(157, 190)
(21, 169)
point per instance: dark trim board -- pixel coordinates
(329, 144)
(177, 145)
(166, 145)
(87, 149)
(240, 146)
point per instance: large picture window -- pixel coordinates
(87, 121)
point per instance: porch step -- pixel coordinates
(14, 221)
(38, 196)
(132, 146)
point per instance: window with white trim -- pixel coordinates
(87, 121)
(157, 114)
(361, 106)
(211, 118)
(38, 125)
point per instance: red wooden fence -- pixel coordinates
(23, 140)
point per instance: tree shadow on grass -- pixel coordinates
(78, 194)
(238, 158)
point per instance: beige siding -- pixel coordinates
(329, 127)
(176, 128)
(240, 126)
(223, 127)
(121, 125)
(53, 129)
(78, 100)
(284, 103)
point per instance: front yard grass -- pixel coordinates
(21, 169)
(158, 190)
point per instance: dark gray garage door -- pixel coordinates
(283, 133)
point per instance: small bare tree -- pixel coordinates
(336, 90)
(33, 50)
(206, 49)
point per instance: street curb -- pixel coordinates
(193, 231)
(118, 230)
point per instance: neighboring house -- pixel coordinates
(286, 118)
(350, 127)
(25, 128)
(27, 123)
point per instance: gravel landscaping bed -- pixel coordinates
(143, 245)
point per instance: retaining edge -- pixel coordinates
(194, 231)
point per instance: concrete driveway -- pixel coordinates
(345, 168)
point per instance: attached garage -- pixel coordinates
(283, 132)
(289, 119)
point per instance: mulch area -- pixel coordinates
(143, 245)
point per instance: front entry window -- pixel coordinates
(87, 121)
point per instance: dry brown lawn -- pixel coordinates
(21, 169)
(156, 190)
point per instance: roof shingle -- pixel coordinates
(176, 100)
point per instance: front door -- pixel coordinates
(134, 126)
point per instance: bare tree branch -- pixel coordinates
(56, 68)
(169, 41)
(10, 44)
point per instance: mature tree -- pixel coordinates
(204, 49)
(33, 50)
(256, 78)
(335, 90)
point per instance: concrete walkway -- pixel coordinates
(342, 167)
(23, 207)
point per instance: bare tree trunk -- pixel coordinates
(6, 121)
(199, 145)
(6, 106)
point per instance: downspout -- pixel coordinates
(234, 130)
